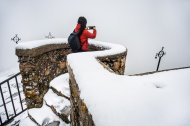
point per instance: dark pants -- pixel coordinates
(79, 50)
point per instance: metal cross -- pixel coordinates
(49, 36)
(160, 54)
(16, 39)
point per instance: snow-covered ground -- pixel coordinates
(44, 113)
(156, 99)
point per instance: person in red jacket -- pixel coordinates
(84, 34)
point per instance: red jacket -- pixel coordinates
(84, 37)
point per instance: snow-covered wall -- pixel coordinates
(143, 26)
(43, 60)
(38, 66)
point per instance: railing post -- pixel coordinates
(4, 103)
(11, 97)
(0, 120)
(19, 92)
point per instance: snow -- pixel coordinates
(24, 117)
(159, 99)
(27, 122)
(61, 84)
(40, 114)
(37, 43)
(111, 48)
(15, 96)
(58, 102)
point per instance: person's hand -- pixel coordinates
(91, 27)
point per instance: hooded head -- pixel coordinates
(82, 21)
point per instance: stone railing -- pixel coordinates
(41, 64)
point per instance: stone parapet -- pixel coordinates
(40, 50)
(38, 66)
(80, 115)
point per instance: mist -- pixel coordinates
(142, 26)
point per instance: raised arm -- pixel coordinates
(89, 34)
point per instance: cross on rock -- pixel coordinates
(49, 36)
(16, 39)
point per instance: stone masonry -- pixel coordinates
(38, 67)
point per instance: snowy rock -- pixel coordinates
(54, 123)
(61, 85)
(39, 115)
(47, 123)
(59, 105)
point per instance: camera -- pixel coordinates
(90, 27)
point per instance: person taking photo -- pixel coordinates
(84, 34)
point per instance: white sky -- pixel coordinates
(143, 26)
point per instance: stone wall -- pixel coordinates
(38, 67)
(114, 63)
(80, 115)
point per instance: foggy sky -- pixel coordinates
(142, 26)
